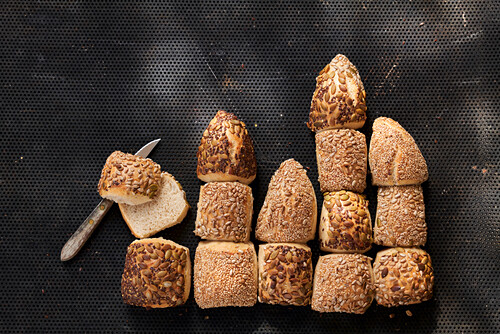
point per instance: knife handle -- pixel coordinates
(78, 239)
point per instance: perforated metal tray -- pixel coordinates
(80, 79)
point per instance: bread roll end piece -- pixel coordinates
(157, 274)
(129, 179)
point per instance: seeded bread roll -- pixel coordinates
(157, 274)
(395, 159)
(129, 179)
(341, 156)
(224, 212)
(400, 217)
(226, 151)
(339, 99)
(225, 274)
(168, 208)
(285, 274)
(345, 224)
(289, 212)
(343, 283)
(403, 276)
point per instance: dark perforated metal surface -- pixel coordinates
(80, 79)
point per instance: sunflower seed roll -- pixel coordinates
(225, 274)
(226, 151)
(341, 156)
(129, 179)
(157, 274)
(285, 274)
(224, 212)
(339, 98)
(403, 276)
(395, 158)
(343, 283)
(345, 224)
(400, 217)
(289, 213)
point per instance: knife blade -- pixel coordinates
(83, 233)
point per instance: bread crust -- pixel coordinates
(343, 283)
(342, 160)
(179, 219)
(225, 274)
(129, 179)
(285, 274)
(400, 217)
(403, 276)
(345, 224)
(157, 274)
(224, 212)
(339, 98)
(395, 158)
(289, 213)
(226, 152)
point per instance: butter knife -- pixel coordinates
(83, 233)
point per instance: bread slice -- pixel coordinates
(169, 207)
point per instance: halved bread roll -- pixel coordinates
(400, 217)
(395, 158)
(289, 212)
(157, 274)
(224, 212)
(226, 151)
(167, 209)
(345, 225)
(403, 276)
(225, 274)
(285, 274)
(341, 156)
(339, 98)
(343, 283)
(129, 179)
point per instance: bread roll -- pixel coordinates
(400, 217)
(343, 283)
(395, 159)
(168, 208)
(289, 212)
(403, 276)
(157, 274)
(129, 179)
(226, 151)
(341, 156)
(339, 99)
(225, 212)
(225, 274)
(345, 225)
(285, 274)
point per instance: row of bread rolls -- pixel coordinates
(157, 274)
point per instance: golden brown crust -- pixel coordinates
(157, 274)
(339, 98)
(400, 217)
(226, 151)
(224, 212)
(345, 224)
(129, 179)
(285, 274)
(289, 212)
(341, 155)
(395, 158)
(403, 276)
(225, 274)
(343, 283)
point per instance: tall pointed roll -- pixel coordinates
(339, 98)
(226, 151)
(394, 157)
